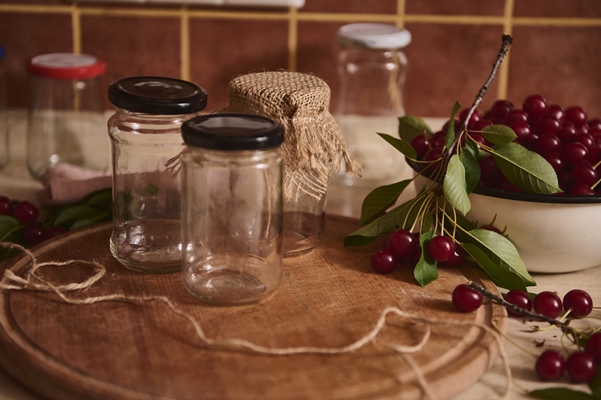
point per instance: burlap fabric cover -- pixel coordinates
(313, 143)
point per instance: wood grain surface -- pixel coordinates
(329, 298)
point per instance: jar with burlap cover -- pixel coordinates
(313, 142)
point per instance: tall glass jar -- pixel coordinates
(371, 72)
(146, 142)
(232, 207)
(66, 123)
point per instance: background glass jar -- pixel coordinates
(232, 207)
(371, 73)
(3, 116)
(146, 143)
(66, 123)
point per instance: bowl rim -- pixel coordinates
(532, 198)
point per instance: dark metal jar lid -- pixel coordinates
(230, 132)
(157, 95)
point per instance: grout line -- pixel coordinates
(185, 44)
(292, 39)
(326, 17)
(504, 69)
(76, 29)
(400, 10)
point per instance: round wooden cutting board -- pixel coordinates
(330, 298)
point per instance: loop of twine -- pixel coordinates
(32, 281)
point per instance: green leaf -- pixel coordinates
(80, 223)
(560, 393)
(451, 128)
(401, 145)
(102, 198)
(454, 185)
(526, 169)
(380, 199)
(8, 225)
(411, 126)
(426, 269)
(73, 213)
(498, 134)
(472, 170)
(499, 276)
(403, 216)
(500, 251)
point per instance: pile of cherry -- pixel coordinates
(580, 365)
(567, 138)
(26, 213)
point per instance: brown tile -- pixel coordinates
(25, 36)
(463, 7)
(557, 8)
(222, 49)
(449, 63)
(31, 2)
(133, 45)
(351, 6)
(558, 63)
(318, 51)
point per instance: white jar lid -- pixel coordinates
(375, 36)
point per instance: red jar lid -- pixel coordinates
(66, 66)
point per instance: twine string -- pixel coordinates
(33, 281)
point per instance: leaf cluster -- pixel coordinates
(441, 206)
(95, 207)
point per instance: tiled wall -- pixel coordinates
(556, 50)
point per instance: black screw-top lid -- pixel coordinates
(157, 95)
(230, 131)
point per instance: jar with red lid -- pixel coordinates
(66, 124)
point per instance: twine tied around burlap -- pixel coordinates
(313, 143)
(29, 279)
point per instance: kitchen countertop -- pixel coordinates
(16, 183)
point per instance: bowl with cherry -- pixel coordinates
(553, 233)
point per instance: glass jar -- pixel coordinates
(66, 121)
(371, 72)
(3, 116)
(232, 209)
(146, 142)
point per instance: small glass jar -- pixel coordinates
(146, 142)
(232, 207)
(66, 119)
(371, 72)
(3, 116)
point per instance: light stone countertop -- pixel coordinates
(15, 182)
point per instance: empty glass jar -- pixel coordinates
(66, 120)
(232, 207)
(372, 71)
(146, 142)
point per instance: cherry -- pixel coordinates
(582, 189)
(383, 261)
(550, 365)
(456, 259)
(33, 234)
(501, 108)
(403, 243)
(475, 117)
(481, 124)
(25, 212)
(557, 111)
(548, 304)
(6, 206)
(466, 298)
(555, 160)
(54, 231)
(548, 143)
(568, 132)
(441, 248)
(489, 171)
(518, 298)
(515, 115)
(421, 145)
(593, 346)
(522, 131)
(535, 106)
(579, 302)
(574, 152)
(585, 173)
(581, 367)
(576, 115)
(549, 125)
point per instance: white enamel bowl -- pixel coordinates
(553, 234)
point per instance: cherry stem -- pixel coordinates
(565, 328)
